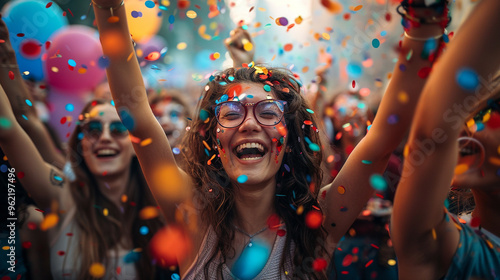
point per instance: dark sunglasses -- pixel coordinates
(267, 112)
(94, 129)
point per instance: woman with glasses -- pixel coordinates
(250, 204)
(455, 140)
(100, 223)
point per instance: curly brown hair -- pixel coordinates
(100, 233)
(298, 179)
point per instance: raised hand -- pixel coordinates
(240, 46)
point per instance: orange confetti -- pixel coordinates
(49, 221)
(357, 8)
(148, 212)
(288, 47)
(341, 190)
(332, 6)
(97, 270)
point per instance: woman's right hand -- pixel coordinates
(235, 44)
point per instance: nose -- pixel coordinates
(105, 135)
(250, 124)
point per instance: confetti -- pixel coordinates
(341, 189)
(375, 43)
(97, 270)
(181, 46)
(354, 70)
(242, 179)
(378, 182)
(191, 14)
(11, 75)
(332, 6)
(314, 219)
(251, 261)
(461, 168)
(467, 79)
(69, 107)
(169, 246)
(49, 221)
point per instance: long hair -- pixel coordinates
(298, 179)
(102, 233)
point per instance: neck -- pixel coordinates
(488, 210)
(254, 205)
(114, 186)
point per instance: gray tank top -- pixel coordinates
(270, 271)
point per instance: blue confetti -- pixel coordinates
(267, 88)
(24, 117)
(69, 107)
(378, 182)
(112, 103)
(103, 62)
(175, 276)
(402, 67)
(127, 119)
(310, 111)
(29, 102)
(375, 43)
(80, 136)
(366, 161)
(4, 168)
(383, 33)
(393, 119)
(230, 78)
(176, 151)
(132, 257)
(354, 70)
(144, 230)
(71, 62)
(242, 179)
(287, 167)
(314, 147)
(150, 4)
(467, 79)
(204, 115)
(171, 19)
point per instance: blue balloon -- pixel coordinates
(30, 25)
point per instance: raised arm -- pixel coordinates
(240, 46)
(422, 238)
(19, 96)
(390, 126)
(167, 181)
(42, 181)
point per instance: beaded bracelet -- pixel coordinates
(445, 20)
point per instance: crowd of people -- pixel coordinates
(261, 180)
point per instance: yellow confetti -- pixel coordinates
(49, 221)
(489, 244)
(300, 210)
(105, 211)
(341, 190)
(206, 145)
(461, 168)
(434, 235)
(298, 20)
(403, 97)
(97, 270)
(54, 69)
(148, 212)
(191, 14)
(494, 161)
(470, 123)
(146, 142)
(391, 262)
(248, 46)
(325, 36)
(181, 46)
(406, 150)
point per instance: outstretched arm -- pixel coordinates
(19, 96)
(390, 126)
(423, 240)
(168, 182)
(41, 180)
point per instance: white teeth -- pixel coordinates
(106, 152)
(250, 145)
(251, 158)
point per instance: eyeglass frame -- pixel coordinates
(254, 105)
(85, 131)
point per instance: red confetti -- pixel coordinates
(39, 210)
(319, 264)
(31, 226)
(48, 5)
(494, 121)
(64, 13)
(69, 234)
(314, 219)
(347, 16)
(475, 222)
(251, 9)
(61, 253)
(11, 75)
(353, 83)
(26, 245)
(273, 221)
(375, 246)
(388, 16)
(2, 41)
(118, 270)
(368, 263)
(308, 122)
(47, 45)
(70, 12)
(20, 34)
(183, 4)
(347, 260)
(63, 120)
(20, 175)
(281, 232)
(288, 47)
(198, 6)
(424, 72)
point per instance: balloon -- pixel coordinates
(30, 25)
(152, 50)
(73, 62)
(143, 21)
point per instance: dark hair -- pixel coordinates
(298, 179)
(100, 233)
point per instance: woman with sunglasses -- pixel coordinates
(249, 205)
(429, 242)
(93, 221)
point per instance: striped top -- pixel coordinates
(270, 271)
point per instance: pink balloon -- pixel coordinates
(71, 62)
